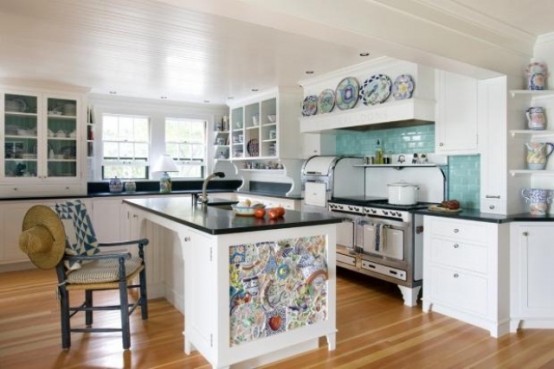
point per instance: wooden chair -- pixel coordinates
(82, 267)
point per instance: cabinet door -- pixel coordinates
(21, 128)
(109, 220)
(533, 267)
(62, 134)
(456, 115)
(493, 145)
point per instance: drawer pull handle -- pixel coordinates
(456, 275)
(456, 230)
(492, 196)
(526, 234)
(456, 245)
(187, 239)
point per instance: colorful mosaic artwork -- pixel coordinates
(276, 286)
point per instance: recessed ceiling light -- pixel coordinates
(309, 72)
(206, 101)
(231, 97)
(113, 92)
(163, 97)
(364, 54)
(255, 90)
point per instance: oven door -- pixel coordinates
(378, 237)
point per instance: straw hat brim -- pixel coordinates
(42, 237)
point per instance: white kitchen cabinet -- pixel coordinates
(109, 218)
(531, 274)
(456, 114)
(43, 148)
(465, 271)
(265, 126)
(492, 110)
(318, 144)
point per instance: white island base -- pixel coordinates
(252, 298)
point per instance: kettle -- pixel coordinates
(537, 154)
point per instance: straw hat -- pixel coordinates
(42, 237)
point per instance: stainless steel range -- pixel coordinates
(388, 242)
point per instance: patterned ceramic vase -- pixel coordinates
(538, 200)
(537, 74)
(536, 118)
(116, 185)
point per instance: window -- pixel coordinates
(126, 141)
(185, 142)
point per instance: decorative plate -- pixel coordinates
(326, 101)
(346, 94)
(376, 89)
(253, 147)
(309, 106)
(403, 87)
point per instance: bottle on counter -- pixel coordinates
(379, 153)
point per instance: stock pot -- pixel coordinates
(402, 193)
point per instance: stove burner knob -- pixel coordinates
(374, 211)
(385, 212)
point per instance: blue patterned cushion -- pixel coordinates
(80, 236)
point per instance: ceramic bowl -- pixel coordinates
(246, 210)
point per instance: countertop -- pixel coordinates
(215, 220)
(473, 214)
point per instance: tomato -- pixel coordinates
(259, 213)
(273, 214)
(280, 210)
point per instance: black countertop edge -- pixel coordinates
(269, 194)
(217, 221)
(474, 214)
(112, 194)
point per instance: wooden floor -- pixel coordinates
(375, 330)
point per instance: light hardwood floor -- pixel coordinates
(375, 330)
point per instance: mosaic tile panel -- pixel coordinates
(276, 286)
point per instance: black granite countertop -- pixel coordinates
(474, 214)
(215, 220)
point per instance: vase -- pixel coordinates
(537, 74)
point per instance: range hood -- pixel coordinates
(401, 113)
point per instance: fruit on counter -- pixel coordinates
(259, 213)
(276, 212)
(450, 204)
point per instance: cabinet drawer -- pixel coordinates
(346, 259)
(460, 230)
(459, 254)
(459, 290)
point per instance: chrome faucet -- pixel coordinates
(203, 198)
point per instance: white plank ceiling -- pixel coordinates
(211, 50)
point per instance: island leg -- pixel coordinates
(331, 341)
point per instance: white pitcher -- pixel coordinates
(537, 154)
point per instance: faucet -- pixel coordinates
(203, 198)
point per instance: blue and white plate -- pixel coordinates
(326, 101)
(376, 89)
(403, 87)
(346, 94)
(309, 106)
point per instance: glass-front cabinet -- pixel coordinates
(42, 145)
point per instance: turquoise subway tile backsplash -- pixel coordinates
(464, 179)
(420, 139)
(463, 171)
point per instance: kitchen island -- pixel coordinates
(255, 290)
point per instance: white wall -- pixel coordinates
(157, 110)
